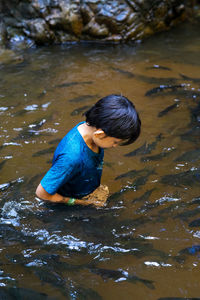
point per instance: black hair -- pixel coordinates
(116, 116)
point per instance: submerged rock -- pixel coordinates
(30, 22)
(8, 56)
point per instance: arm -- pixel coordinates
(57, 198)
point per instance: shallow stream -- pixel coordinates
(145, 244)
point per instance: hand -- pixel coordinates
(98, 197)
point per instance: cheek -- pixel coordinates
(109, 144)
(104, 144)
(100, 143)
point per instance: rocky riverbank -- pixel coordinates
(37, 22)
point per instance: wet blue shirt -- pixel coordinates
(76, 170)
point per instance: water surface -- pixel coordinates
(147, 237)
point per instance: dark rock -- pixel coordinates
(39, 31)
(56, 21)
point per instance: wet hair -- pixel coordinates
(116, 116)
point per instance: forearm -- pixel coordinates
(57, 198)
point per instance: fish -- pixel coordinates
(195, 115)
(54, 263)
(144, 248)
(153, 145)
(187, 178)
(147, 207)
(44, 152)
(144, 197)
(108, 164)
(134, 173)
(190, 250)
(54, 142)
(83, 98)
(194, 223)
(192, 135)
(16, 258)
(182, 254)
(140, 150)
(175, 91)
(158, 67)
(9, 233)
(130, 174)
(79, 110)
(156, 157)
(156, 80)
(186, 94)
(10, 293)
(2, 163)
(120, 275)
(133, 223)
(123, 72)
(67, 84)
(20, 113)
(145, 148)
(34, 180)
(168, 209)
(31, 130)
(188, 214)
(195, 80)
(48, 276)
(162, 88)
(166, 110)
(116, 196)
(139, 182)
(190, 156)
(25, 110)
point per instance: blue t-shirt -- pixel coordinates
(76, 170)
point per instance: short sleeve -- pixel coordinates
(63, 169)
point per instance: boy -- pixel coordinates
(77, 163)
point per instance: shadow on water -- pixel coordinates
(147, 237)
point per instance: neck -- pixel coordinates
(86, 132)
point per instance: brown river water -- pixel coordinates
(145, 244)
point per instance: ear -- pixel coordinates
(99, 133)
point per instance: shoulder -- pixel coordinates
(69, 153)
(64, 162)
(70, 143)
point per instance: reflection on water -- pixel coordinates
(147, 237)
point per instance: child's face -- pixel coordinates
(105, 141)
